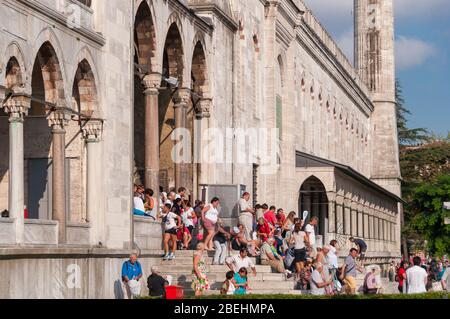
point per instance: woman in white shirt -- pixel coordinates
(300, 239)
(170, 221)
(210, 216)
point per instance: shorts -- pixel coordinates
(300, 255)
(208, 224)
(172, 231)
(350, 283)
(235, 245)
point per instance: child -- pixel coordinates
(184, 236)
(241, 282)
(228, 287)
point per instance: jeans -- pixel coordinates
(220, 253)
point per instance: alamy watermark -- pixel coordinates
(228, 146)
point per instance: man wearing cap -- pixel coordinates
(246, 214)
(156, 284)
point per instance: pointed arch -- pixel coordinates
(174, 57)
(47, 83)
(145, 39)
(84, 90)
(199, 72)
(15, 68)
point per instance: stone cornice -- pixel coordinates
(324, 57)
(197, 20)
(59, 18)
(218, 12)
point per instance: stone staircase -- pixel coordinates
(265, 281)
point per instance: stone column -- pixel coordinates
(17, 107)
(58, 120)
(151, 83)
(92, 132)
(201, 156)
(181, 101)
(331, 212)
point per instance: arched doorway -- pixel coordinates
(13, 83)
(174, 103)
(198, 116)
(144, 59)
(84, 103)
(313, 199)
(47, 91)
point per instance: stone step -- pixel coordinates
(210, 269)
(187, 260)
(221, 276)
(254, 285)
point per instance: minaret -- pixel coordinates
(374, 60)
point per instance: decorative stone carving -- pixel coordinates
(58, 120)
(181, 98)
(203, 108)
(92, 130)
(17, 106)
(151, 83)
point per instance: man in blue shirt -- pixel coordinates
(131, 271)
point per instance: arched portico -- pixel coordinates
(313, 199)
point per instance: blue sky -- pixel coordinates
(422, 53)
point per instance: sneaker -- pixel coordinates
(171, 256)
(166, 256)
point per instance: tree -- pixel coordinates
(429, 218)
(407, 136)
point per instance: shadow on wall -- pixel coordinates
(118, 292)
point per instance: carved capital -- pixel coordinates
(2, 95)
(151, 83)
(93, 130)
(181, 98)
(58, 120)
(17, 107)
(203, 108)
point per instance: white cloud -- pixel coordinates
(411, 52)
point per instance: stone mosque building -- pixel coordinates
(92, 90)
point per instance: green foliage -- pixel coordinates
(428, 220)
(430, 295)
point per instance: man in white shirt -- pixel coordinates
(310, 231)
(317, 282)
(246, 215)
(242, 260)
(416, 278)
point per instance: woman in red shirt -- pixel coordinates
(401, 275)
(264, 229)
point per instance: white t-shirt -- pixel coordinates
(170, 220)
(332, 259)
(212, 214)
(309, 229)
(416, 277)
(299, 239)
(187, 221)
(239, 263)
(316, 278)
(243, 205)
(138, 204)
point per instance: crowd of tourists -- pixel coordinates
(418, 275)
(286, 242)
